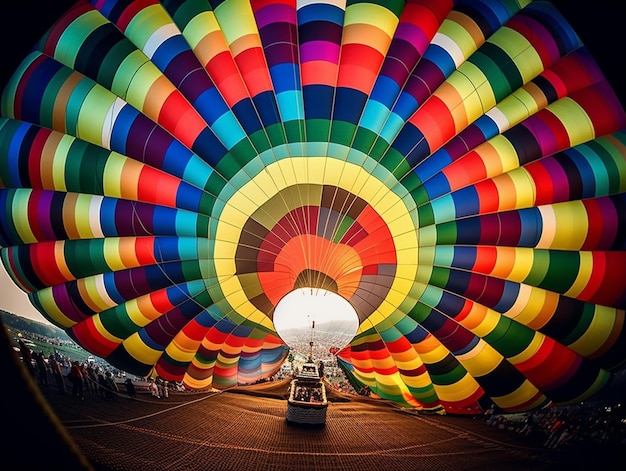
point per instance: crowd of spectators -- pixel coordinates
(601, 423)
(81, 379)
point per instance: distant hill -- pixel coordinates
(23, 324)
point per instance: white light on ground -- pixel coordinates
(313, 314)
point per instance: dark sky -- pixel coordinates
(601, 24)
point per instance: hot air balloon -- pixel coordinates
(454, 170)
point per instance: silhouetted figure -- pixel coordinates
(102, 385)
(55, 367)
(42, 369)
(86, 383)
(162, 387)
(92, 378)
(76, 377)
(130, 388)
(27, 356)
(111, 387)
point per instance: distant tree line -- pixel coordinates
(24, 324)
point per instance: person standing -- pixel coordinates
(42, 368)
(76, 377)
(111, 387)
(27, 356)
(154, 389)
(91, 378)
(55, 366)
(130, 388)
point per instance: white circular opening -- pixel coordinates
(315, 322)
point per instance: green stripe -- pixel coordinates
(276, 134)
(584, 321)
(7, 133)
(500, 70)
(75, 103)
(112, 62)
(447, 371)
(117, 322)
(317, 130)
(446, 233)
(509, 337)
(345, 224)
(396, 164)
(394, 6)
(539, 269)
(294, 130)
(184, 12)
(613, 161)
(562, 271)
(84, 257)
(439, 277)
(84, 170)
(51, 94)
(341, 132)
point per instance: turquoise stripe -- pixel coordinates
(75, 103)
(290, 105)
(444, 209)
(392, 127)
(228, 130)
(374, 116)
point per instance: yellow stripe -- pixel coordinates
(480, 360)
(75, 34)
(112, 254)
(93, 112)
(60, 162)
(522, 53)
(145, 23)
(138, 349)
(321, 170)
(518, 397)
(125, 77)
(570, 115)
(113, 171)
(236, 19)
(488, 323)
(564, 226)
(374, 16)
(459, 391)
(93, 293)
(597, 333)
(585, 270)
(531, 349)
(18, 209)
(45, 298)
(200, 27)
(97, 322)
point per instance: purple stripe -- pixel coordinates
(468, 139)
(64, 303)
(276, 13)
(610, 223)
(543, 133)
(424, 81)
(558, 179)
(413, 35)
(319, 50)
(540, 37)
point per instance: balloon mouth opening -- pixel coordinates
(315, 322)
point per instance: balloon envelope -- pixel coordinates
(169, 172)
